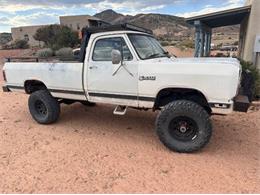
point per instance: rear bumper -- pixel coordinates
(6, 89)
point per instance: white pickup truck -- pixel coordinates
(126, 66)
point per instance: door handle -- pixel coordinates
(93, 67)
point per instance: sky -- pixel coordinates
(14, 13)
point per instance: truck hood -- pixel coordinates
(230, 61)
(196, 65)
(218, 78)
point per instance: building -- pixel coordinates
(247, 16)
(249, 30)
(27, 33)
(76, 23)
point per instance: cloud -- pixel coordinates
(36, 12)
(13, 6)
(129, 7)
(209, 8)
(33, 19)
(17, 6)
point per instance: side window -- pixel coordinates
(104, 47)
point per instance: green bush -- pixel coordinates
(255, 73)
(20, 44)
(57, 36)
(64, 52)
(44, 53)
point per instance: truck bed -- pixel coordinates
(42, 59)
(63, 79)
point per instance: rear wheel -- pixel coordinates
(184, 126)
(43, 107)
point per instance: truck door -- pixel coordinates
(112, 83)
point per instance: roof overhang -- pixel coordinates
(222, 18)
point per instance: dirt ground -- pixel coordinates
(90, 150)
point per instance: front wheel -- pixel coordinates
(184, 126)
(43, 107)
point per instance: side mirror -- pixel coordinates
(116, 56)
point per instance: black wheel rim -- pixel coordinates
(40, 108)
(183, 128)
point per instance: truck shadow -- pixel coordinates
(100, 120)
(231, 134)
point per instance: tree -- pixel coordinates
(56, 36)
(21, 44)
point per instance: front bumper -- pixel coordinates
(240, 103)
(6, 89)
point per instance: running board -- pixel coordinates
(120, 110)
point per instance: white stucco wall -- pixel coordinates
(252, 29)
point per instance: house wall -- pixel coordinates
(251, 29)
(27, 33)
(76, 23)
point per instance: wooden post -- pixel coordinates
(206, 44)
(210, 39)
(197, 42)
(202, 39)
(202, 43)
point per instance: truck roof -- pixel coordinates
(122, 28)
(117, 32)
(117, 27)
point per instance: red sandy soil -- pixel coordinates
(90, 150)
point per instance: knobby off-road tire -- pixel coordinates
(43, 107)
(184, 126)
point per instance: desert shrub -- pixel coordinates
(57, 36)
(64, 52)
(255, 73)
(236, 43)
(188, 44)
(20, 44)
(219, 46)
(44, 53)
(165, 43)
(5, 38)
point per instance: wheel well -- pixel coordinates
(31, 86)
(168, 95)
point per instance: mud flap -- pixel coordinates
(241, 103)
(6, 89)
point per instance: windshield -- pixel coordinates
(147, 47)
